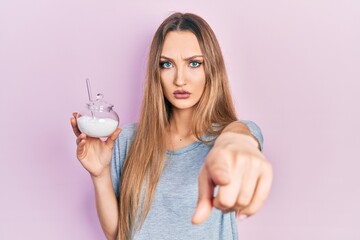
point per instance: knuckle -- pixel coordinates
(256, 162)
(267, 168)
(218, 154)
(251, 210)
(244, 160)
(218, 170)
(217, 167)
(226, 202)
(217, 205)
(220, 206)
(260, 198)
(243, 200)
(241, 162)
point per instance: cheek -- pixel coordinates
(166, 81)
(167, 76)
(197, 74)
(199, 80)
(201, 87)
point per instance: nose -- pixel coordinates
(180, 79)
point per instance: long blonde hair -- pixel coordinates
(145, 160)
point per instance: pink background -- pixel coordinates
(294, 68)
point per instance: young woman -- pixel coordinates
(188, 165)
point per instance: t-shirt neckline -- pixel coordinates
(187, 148)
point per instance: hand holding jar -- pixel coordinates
(97, 121)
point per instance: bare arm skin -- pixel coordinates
(95, 156)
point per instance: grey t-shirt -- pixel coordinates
(176, 193)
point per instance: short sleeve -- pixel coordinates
(255, 131)
(120, 150)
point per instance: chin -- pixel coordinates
(183, 106)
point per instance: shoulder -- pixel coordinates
(121, 148)
(125, 138)
(128, 130)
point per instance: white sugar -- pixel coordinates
(97, 127)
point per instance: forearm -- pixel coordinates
(241, 128)
(106, 205)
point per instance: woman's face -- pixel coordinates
(181, 70)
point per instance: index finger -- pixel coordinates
(205, 198)
(74, 125)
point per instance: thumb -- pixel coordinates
(218, 172)
(205, 199)
(111, 139)
(220, 177)
(218, 167)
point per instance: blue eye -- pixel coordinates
(165, 64)
(195, 64)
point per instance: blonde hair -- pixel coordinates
(145, 160)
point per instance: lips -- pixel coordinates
(181, 94)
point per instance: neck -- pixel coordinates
(180, 123)
(180, 132)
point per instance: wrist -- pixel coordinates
(237, 127)
(248, 139)
(242, 129)
(236, 137)
(104, 175)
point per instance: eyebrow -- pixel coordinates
(186, 59)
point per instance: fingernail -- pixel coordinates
(242, 217)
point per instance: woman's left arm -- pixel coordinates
(236, 165)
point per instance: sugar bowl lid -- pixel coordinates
(99, 104)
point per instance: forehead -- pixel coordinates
(181, 43)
